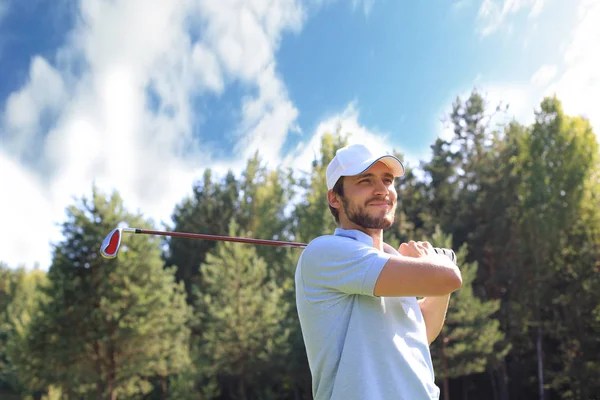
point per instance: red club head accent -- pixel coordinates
(110, 245)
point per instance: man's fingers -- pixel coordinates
(422, 249)
(414, 249)
(403, 249)
(408, 250)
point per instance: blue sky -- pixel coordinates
(142, 96)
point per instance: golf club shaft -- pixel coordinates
(216, 237)
(114, 247)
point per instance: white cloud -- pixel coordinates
(206, 68)
(493, 13)
(24, 215)
(245, 38)
(45, 92)
(126, 121)
(575, 80)
(578, 86)
(267, 118)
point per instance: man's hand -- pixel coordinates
(422, 249)
(416, 249)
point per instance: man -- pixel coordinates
(366, 335)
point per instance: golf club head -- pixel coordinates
(110, 245)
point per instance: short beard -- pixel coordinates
(362, 218)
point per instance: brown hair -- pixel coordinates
(338, 189)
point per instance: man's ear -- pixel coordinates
(334, 200)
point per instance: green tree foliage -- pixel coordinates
(22, 288)
(575, 319)
(257, 192)
(265, 193)
(492, 241)
(106, 327)
(6, 278)
(556, 159)
(413, 215)
(242, 342)
(258, 202)
(442, 189)
(264, 211)
(208, 211)
(6, 295)
(559, 163)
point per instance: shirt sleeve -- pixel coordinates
(341, 264)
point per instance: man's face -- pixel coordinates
(369, 199)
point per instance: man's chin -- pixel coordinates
(387, 220)
(388, 224)
(383, 223)
(380, 220)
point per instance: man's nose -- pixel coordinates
(381, 187)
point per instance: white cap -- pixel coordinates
(357, 158)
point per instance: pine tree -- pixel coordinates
(213, 203)
(263, 213)
(107, 326)
(239, 317)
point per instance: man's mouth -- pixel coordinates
(380, 204)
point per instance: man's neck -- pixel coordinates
(375, 234)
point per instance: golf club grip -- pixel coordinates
(447, 252)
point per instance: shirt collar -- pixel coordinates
(355, 234)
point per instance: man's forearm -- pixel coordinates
(434, 310)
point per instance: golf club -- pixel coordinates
(110, 245)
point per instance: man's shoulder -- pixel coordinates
(334, 249)
(331, 242)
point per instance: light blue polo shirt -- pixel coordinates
(359, 346)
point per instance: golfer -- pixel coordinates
(366, 335)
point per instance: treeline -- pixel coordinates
(192, 319)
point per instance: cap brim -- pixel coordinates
(390, 161)
(393, 163)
